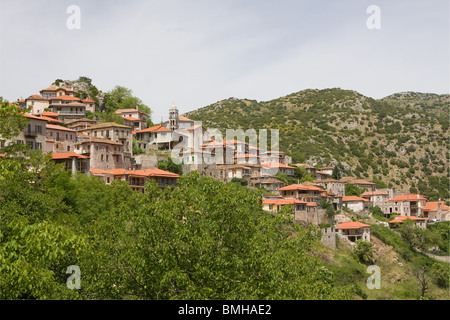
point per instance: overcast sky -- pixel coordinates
(197, 52)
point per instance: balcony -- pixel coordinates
(31, 134)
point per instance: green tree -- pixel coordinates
(171, 166)
(353, 190)
(336, 174)
(241, 181)
(364, 252)
(123, 98)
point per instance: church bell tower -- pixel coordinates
(173, 118)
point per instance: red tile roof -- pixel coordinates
(183, 118)
(407, 197)
(155, 129)
(120, 111)
(351, 225)
(57, 127)
(50, 114)
(353, 198)
(133, 119)
(67, 155)
(88, 100)
(50, 119)
(281, 201)
(400, 219)
(29, 116)
(433, 206)
(140, 173)
(301, 187)
(65, 97)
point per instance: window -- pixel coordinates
(101, 157)
(107, 157)
(51, 133)
(67, 136)
(68, 148)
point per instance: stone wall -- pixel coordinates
(329, 237)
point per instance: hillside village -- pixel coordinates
(131, 152)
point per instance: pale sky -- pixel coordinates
(197, 52)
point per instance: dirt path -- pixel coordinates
(440, 258)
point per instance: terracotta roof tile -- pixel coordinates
(353, 198)
(407, 197)
(351, 225)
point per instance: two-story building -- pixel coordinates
(157, 137)
(356, 204)
(134, 118)
(104, 154)
(406, 205)
(376, 198)
(68, 107)
(34, 134)
(60, 139)
(354, 231)
(306, 193)
(334, 186)
(111, 131)
(137, 178)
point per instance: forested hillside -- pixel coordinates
(399, 141)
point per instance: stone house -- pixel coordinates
(327, 170)
(137, 178)
(104, 154)
(306, 193)
(274, 205)
(321, 175)
(435, 210)
(309, 212)
(134, 118)
(73, 161)
(356, 204)
(34, 134)
(60, 139)
(406, 205)
(226, 172)
(364, 184)
(376, 198)
(420, 222)
(90, 105)
(334, 186)
(68, 107)
(37, 103)
(157, 137)
(55, 91)
(113, 132)
(354, 231)
(78, 124)
(270, 183)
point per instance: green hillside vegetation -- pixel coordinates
(399, 141)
